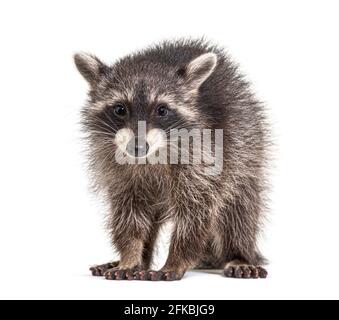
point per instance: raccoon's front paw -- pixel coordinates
(121, 274)
(99, 270)
(152, 275)
(245, 272)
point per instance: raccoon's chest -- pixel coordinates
(147, 182)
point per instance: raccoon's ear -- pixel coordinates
(199, 69)
(90, 67)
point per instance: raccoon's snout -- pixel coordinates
(140, 145)
(137, 147)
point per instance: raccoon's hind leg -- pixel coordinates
(211, 258)
(239, 232)
(240, 269)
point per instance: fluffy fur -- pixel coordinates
(216, 218)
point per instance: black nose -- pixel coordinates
(137, 147)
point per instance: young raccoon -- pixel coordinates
(189, 85)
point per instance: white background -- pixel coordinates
(51, 227)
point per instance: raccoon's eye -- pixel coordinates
(119, 109)
(162, 110)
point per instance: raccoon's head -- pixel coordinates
(135, 103)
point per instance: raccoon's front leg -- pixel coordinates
(131, 254)
(147, 253)
(100, 269)
(120, 272)
(131, 225)
(187, 245)
(188, 242)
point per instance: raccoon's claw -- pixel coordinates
(99, 270)
(245, 272)
(119, 274)
(141, 275)
(152, 275)
(115, 273)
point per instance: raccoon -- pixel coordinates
(184, 84)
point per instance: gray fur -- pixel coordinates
(217, 219)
